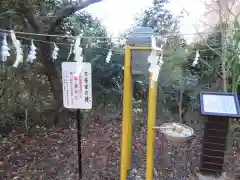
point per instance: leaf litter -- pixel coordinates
(52, 154)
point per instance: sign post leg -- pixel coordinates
(79, 120)
(126, 143)
(152, 102)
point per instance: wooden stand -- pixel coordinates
(217, 107)
(214, 145)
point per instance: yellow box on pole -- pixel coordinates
(136, 65)
(126, 117)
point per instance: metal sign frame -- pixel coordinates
(234, 95)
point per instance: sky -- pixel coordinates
(118, 15)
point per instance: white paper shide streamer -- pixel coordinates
(55, 52)
(196, 59)
(108, 58)
(154, 44)
(78, 51)
(157, 68)
(70, 52)
(5, 48)
(18, 48)
(152, 58)
(32, 53)
(155, 60)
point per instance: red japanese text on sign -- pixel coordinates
(76, 96)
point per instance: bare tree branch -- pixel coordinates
(188, 14)
(232, 5)
(29, 12)
(68, 10)
(208, 5)
(230, 11)
(213, 50)
(223, 44)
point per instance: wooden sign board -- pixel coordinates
(219, 104)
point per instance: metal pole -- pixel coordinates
(126, 144)
(152, 102)
(79, 120)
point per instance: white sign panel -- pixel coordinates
(223, 104)
(77, 91)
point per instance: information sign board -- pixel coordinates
(219, 104)
(77, 91)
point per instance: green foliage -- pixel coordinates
(31, 89)
(95, 50)
(171, 69)
(157, 17)
(25, 88)
(177, 78)
(234, 59)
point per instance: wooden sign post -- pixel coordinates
(218, 108)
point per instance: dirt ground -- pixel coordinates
(52, 154)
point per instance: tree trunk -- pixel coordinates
(180, 105)
(55, 83)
